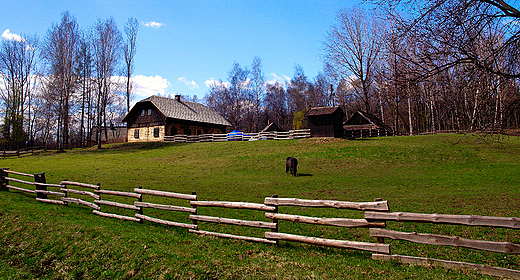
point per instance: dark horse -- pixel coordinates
(291, 164)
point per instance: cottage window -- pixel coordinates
(136, 134)
(156, 132)
(149, 112)
(142, 113)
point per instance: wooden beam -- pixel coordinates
(235, 222)
(234, 205)
(364, 206)
(50, 201)
(479, 268)
(20, 189)
(110, 215)
(468, 220)
(165, 222)
(165, 207)
(50, 192)
(225, 235)
(18, 173)
(64, 182)
(166, 194)
(364, 246)
(117, 204)
(80, 201)
(128, 194)
(93, 195)
(339, 222)
(434, 239)
(19, 181)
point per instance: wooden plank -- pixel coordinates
(93, 195)
(364, 246)
(81, 201)
(236, 222)
(166, 194)
(165, 207)
(19, 181)
(479, 268)
(121, 217)
(165, 222)
(434, 239)
(468, 220)
(376, 205)
(18, 173)
(20, 189)
(50, 201)
(128, 194)
(96, 187)
(339, 222)
(50, 192)
(48, 185)
(117, 204)
(234, 205)
(232, 236)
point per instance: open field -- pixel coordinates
(448, 174)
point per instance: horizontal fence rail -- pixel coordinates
(271, 135)
(376, 215)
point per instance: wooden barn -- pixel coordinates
(362, 124)
(325, 121)
(155, 117)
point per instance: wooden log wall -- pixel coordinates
(236, 222)
(271, 135)
(376, 214)
(340, 222)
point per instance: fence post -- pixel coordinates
(195, 207)
(141, 212)
(3, 181)
(380, 240)
(275, 221)
(40, 178)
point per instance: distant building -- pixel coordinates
(325, 121)
(155, 117)
(362, 124)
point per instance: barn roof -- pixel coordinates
(184, 110)
(366, 118)
(319, 111)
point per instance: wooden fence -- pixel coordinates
(270, 135)
(376, 215)
(20, 152)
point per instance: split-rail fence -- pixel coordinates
(376, 214)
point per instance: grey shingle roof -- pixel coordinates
(186, 110)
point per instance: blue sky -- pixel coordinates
(182, 45)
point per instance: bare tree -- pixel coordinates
(60, 52)
(107, 52)
(131, 28)
(352, 47)
(18, 75)
(257, 92)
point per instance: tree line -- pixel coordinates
(66, 90)
(419, 66)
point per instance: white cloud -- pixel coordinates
(146, 86)
(11, 36)
(192, 84)
(154, 24)
(213, 83)
(275, 78)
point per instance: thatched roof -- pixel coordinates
(176, 108)
(361, 118)
(319, 111)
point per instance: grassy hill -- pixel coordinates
(449, 174)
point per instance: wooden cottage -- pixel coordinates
(155, 117)
(325, 121)
(362, 124)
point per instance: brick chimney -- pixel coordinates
(178, 97)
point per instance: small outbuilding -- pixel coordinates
(155, 117)
(363, 124)
(325, 121)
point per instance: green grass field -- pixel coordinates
(448, 174)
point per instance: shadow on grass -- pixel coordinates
(303, 175)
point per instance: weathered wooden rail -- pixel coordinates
(442, 240)
(376, 216)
